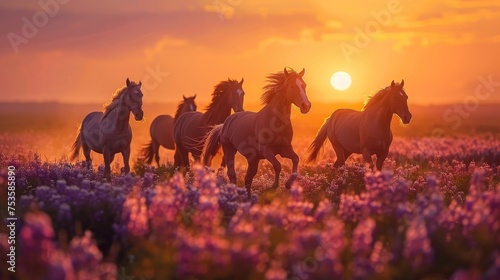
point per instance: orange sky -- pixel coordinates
(86, 49)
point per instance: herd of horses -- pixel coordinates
(256, 135)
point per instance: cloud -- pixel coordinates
(449, 19)
(189, 39)
(305, 36)
(468, 4)
(109, 7)
(113, 34)
(162, 44)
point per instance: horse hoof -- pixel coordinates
(289, 183)
(290, 180)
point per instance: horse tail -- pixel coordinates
(148, 152)
(75, 149)
(318, 142)
(212, 144)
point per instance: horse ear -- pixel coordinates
(128, 82)
(286, 72)
(301, 74)
(241, 82)
(194, 96)
(392, 84)
(140, 83)
(402, 82)
(184, 97)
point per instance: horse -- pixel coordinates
(109, 132)
(191, 128)
(263, 134)
(367, 132)
(162, 130)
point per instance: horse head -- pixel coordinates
(399, 102)
(189, 103)
(236, 95)
(134, 99)
(295, 88)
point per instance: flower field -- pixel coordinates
(432, 213)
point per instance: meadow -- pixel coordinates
(432, 213)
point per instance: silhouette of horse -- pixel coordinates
(365, 132)
(263, 134)
(109, 133)
(162, 130)
(191, 128)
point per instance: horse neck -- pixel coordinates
(121, 116)
(181, 111)
(279, 107)
(382, 115)
(216, 113)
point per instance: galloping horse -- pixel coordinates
(162, 130)
(365, 132)
(191, 127)
(263, 134)
(109, 133)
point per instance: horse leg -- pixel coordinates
(347, 154)
(253, 166)
(197, 157)
(185, 160)
(126, 157)
(177, 158)
(381, 158)
(180, 159)
(271, 157)
(156, 151)
(222, 164)
(86, 153)
(289, 153)
(107, 163)
(367, 156)
(339, 151)
(229, 153)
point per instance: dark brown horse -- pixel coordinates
(263, 134)
(366, 132)
(162, 130)
(109, 133)
(191, 127)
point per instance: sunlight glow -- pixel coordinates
(340, 80)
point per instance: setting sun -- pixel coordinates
(340, 80)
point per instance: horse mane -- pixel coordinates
(377, 98)
(114, 99)
(219, 105)
(179, 109)
(276, 84)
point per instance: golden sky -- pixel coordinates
(82, 51)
